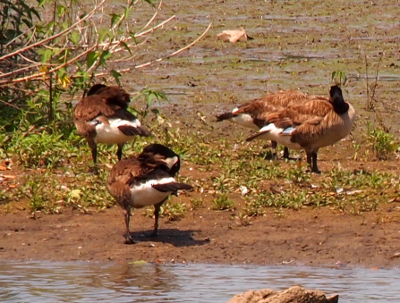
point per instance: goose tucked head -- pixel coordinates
(164, 154)
(95, 89)
(336, 98)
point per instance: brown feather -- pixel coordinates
(110, 101)
(151, 165)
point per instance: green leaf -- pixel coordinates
(114, 19)
(105, 55)
(60, 10)
(116, 76)
(126, 47)
(41, 2)
(91, 59)
(74, 37)
(46, 55)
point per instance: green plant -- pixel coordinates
(381, 142)
(223, 202)
(339, 77)
(197, 202)
(173, 211)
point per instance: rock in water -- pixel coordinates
(293, 294)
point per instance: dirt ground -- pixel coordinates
(316, 237)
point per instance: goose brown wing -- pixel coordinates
(309, 131)
(124, 170)
(93, 106)
(317, 105)
(285, 97)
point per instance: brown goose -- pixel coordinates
(251, 114)
(103, 117)
(316, 123)
(147, 179)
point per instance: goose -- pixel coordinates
(251, 114)
(316, 123)
(145, 180)
(103, 117)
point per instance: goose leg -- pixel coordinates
(309, 159)
(157, 208)
(128, 237)
(312, 162)
(274, 146)
(93, 148)
(314, 167)
(119, 151)
(286, 153)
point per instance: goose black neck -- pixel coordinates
(339, 105)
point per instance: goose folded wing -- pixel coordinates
(316, 105)
(308, 131)
(125, 171)
(171, 187)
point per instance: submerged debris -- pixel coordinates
(234, 35)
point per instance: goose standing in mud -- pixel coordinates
(311, 125)
(103, 117)
(145, 180)
(252, 114)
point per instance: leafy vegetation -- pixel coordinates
(381, 142)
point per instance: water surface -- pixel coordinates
(98, 282)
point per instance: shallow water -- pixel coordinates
(99, 282)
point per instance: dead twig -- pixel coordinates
(41, 42)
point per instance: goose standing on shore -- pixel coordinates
(145, 180)
(103, 117)
(252, 114)
(316, 123)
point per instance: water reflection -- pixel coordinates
(111, 282)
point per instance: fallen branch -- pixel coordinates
(159, 59)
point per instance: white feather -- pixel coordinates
(145, 195)
(171, 161)
(244, 120)
(271, 132)
(110, 134)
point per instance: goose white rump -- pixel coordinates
(280, 135)
(109, 133)
(145, 194)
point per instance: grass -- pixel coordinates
(53, 175)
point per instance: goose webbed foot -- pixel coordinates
(129, 239)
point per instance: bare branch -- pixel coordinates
(41, 42)
(155, 27)
(162, 58)
(154, 16)
(44, 73)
